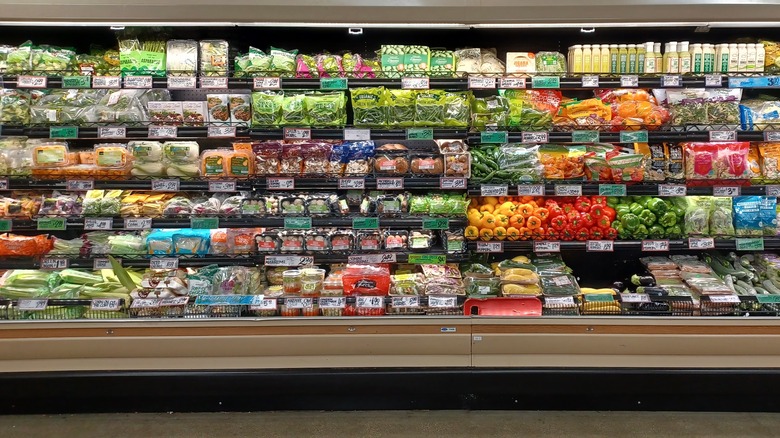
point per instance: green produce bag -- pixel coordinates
(457, 109)
(721, 220)
(142, 58)
(19, 59)
(369, 106)
(697, 215)
(293, 110)
(267, 108)
(254, 63)
(401, 110)
(430, 108)
(326, 109)
(283, 62)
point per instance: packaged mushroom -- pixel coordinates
(291, 242)
(335, 164)
(396, 240)
(421, 239)
(342, 241)
(451, 146)
(267, 157)
(272, 202)
(293, 206)
(392, 205)
(358, 157)
(457, 165)
(291, 162)
(252, 207)
(427, 164)
(368, 205)
(390, 160)
(268, 242)
(316, 159)
(454, 242)
(369, 241)
(317, 242)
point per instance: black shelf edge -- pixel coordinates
(614, 137)
(770, 243)
(591, 188)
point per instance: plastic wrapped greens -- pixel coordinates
(457, 111)
(489, 112)
(721, 220)
(267, 108)
(49, 60)
(181, 57)
(254, 63)
(326, 109)
(401, 108)
(430, 108)
(14, 107)
(142, 58)
(697, 215)
(306, 67)
(283, 62)
(369, 106)
(18, 60)
(213, 58)
(293, 110)
(329, 65)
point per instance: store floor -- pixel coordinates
(449, 424)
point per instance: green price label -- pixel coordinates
(365, 223)
(419, 134)
(333, 83)
(750, 244)
(76, 81)
(5, 225)
(599, 298)
(633, 136)
(52, 224)
(768, 299)
(297, 223)
(585, 136)
(494, 137)
(546, 82)
(612, 190)
(63, 132)
(427, 259)
(204, 223)
(435, 223)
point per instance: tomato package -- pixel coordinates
(366, 280)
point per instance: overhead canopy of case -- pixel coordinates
(457, 13)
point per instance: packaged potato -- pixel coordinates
(239, 163)
(112, 155)
(49, 153)
(212, 163)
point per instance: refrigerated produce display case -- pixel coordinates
(477, 206)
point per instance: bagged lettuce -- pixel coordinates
(254, 63)
(369, 106)
(721, 220)
(283, 62)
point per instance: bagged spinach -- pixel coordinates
(429, 107)
(267, 108)
(369, 106)
(401, 109)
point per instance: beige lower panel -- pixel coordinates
(235, 352)
(685, 351)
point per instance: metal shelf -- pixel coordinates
(770, 243)
(634, 189)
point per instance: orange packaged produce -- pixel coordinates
(562, 162)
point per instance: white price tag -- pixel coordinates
(138, 82)
(448, 183)
(297, 133)
(701, 243)
(4, 184)
(490, 247)
(480, 83)
(145, 303)
(629, 81)
(299, 303)
(415, 83)
(726, 191)
(138, 223)
(590, 81)
(54, 263)
(530, 190)
(635, 298)
(713, 80)
(512, 83)
(561, 281)
(32, 305)
(175, 301)
(558, 301)
(332, 302)
(112, 132)
(79, 185)
(771, 135)
(214, 83)
(672, 190)
(267, 83)
(182, 82)
(352, 183)
(165, 185)
(31, 82)
(655, 245)
(724, 298)
(106, 82)
(547, 246)
(163, 132)
(671, 81)
(372, 259)
(405, 302)
(222, 186)
(264, 304)
(288, 260)
(110, 304)
(389, 183)
(568, 190)
(98, 264)
(357, 134)
(442, 302)
(370, 302)
(773, 191)
(535, 137)
(600, 246)
(493, 190)
(98, 224)
(221, 131)
(723, 135)
(280, 183)
(164, 263)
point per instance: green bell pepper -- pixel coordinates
(656, 231)
(636, 208)
(622, 210)
(657, 206)
(667, 219)
(679, 212)
(640, 232)
(630, 222)
(674, 231)
(613, 201)
(627, 200)
(643, 201)
(647, 217)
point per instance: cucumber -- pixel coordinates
(720, 269)
(768, 285)
(729, 280)
(761, 290)
(746, 286)
(741, 290)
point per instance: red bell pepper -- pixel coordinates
(603, 222)
(610, 213)
(556, 211)
(601, 200)
(583, 234)
(558, 223)
(567, 208)
(588, 219)
(550, 203)
(553, 234)
(582, 204)
(567, 234)
(596, 233)
(597, 210)
(610, 233)
(576, 222)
